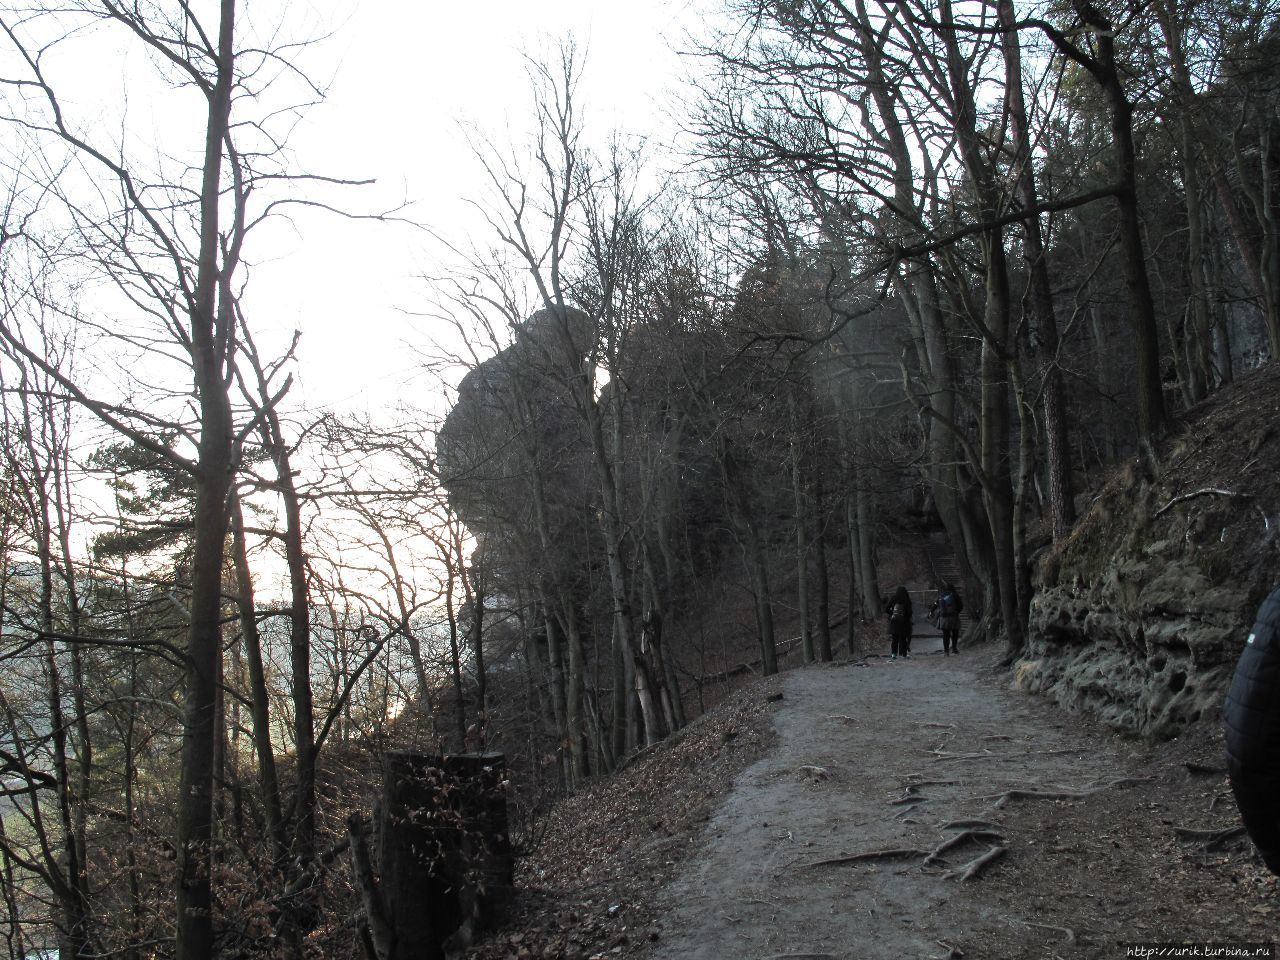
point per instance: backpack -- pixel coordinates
(898, 613)
(947, 605)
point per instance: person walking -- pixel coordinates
(946, 609)
(1251, 718)
(899, 611)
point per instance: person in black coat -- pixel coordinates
(947, 609)
(1251, 717)
(899, 612)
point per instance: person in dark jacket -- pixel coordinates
(1251, 717)
(947, 610)
(899, 612)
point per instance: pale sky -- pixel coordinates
(406, 76)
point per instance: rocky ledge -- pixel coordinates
(1148, 647)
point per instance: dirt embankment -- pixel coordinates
(1139, 617)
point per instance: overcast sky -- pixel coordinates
(406, 77)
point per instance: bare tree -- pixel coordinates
(171, 243)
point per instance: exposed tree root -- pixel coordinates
(926, 857)
(899, 854)
(970, 825)
(975, 866)
(1068, 935)
(1203, 769)
(1206, 492)
(943, 755)
(1209, 839)
(1001, 799)
(959, 839)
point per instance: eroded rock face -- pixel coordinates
(1149, 647)
(1140, 614)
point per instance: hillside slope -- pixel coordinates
(1140, 616)
(588, 883)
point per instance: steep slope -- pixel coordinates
(1139, 616)
(588, 881)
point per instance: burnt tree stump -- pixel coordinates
(447, 867)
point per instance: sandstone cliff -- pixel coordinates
(1140, 615)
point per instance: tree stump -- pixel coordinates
(445, 850)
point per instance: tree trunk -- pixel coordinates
(1250, 256)
(671, 681)
(855, 569)
(919, 293)
(1195, 367)
(859, 572)
(573, 694)
(1270, 240)
(195, 934)
(260, 704)
(1222, 359)
(801, 523)
(1045, 340)
(473, 588)
(822, 587)
(555, 667)
(864, 512)
(998, 491)
(304, 737)
(1258, 187)
(1022, 496)
(136, 925)
(1142, 313)
(611, 524)
(619, 702)
(764, 599)
(997, 353)
(918, 289)
(73, 931)
(551, 594)
(455, 655)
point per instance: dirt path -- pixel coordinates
(888, 755)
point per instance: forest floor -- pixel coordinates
(737, 838)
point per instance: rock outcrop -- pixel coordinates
(1140, 615)
(1147, 647)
